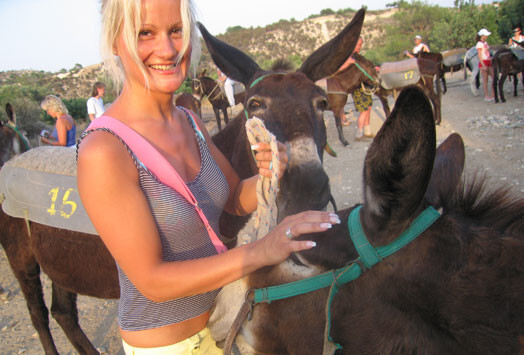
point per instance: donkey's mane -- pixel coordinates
(282, 65)
(495, 207)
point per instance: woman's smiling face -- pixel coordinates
(159, 43)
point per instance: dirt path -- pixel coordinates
(494, 136)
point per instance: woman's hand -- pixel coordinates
(263, 157)
(279, 243)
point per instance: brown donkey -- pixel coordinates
(506, 63)
(456, 289)
(292, 108)
(354, 77)
(12, 140)
(204, 86)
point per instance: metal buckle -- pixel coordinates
(249, 299)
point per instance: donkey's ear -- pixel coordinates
(326, 60)
(231, 61)
(398, 164)
(10, 112)
(447, 170)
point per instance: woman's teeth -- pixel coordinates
(163, 67)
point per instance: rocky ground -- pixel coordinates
(494, 137)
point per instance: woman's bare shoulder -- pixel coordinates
(106, 152)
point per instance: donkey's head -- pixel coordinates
(11, 142)
(292, 107)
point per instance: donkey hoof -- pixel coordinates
(344, 142)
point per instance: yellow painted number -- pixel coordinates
(54, 195)
(67, 209)
(409, 75)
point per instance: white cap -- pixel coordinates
(418, 37)
(484, 32)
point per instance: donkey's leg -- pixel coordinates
(65, 312)
(444, 85)
(496, 85)
(501, 86)
(515, 84)
(385, 105)
(217, 116)
(226, 118)
(28, 276)
(338, 123)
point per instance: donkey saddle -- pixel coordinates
(40, 186)
(395, 75)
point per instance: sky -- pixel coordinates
(54, 34)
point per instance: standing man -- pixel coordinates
(95, 104)
(419, 47)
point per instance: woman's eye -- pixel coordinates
(144, 33)
(177, 32)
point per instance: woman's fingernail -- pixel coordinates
(335, 220)
(311, 244)
(326, 225)
(254, 147)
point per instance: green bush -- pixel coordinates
(77, 108)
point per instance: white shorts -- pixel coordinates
(200, 343)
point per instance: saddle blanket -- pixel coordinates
(40, 185)
(518, 52)
(395, 75)
(454, 57)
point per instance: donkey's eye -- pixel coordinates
(254, 104)
(322, 105)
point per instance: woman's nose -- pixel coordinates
(167, 47)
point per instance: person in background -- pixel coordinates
(170, 268)
(95, 104)
(361, 100)
(419, 47)
(517, 39)
(228, 85)
(64, 133)
(486, 70)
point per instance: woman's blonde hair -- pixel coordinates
(124, 17)
(52, 102)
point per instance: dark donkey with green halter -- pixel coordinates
(12, 140)
(448, 284)
(292, 108)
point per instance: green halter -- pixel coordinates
(365, 72)
(368, 256)
(20, 135)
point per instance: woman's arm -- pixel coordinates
(61, 130)
(121, 215)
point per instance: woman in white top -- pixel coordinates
(517, 39)
(419, 47)
(95, 104)
(486, 70)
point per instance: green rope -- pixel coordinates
(368, 256)
(365, 72)
(22, 138)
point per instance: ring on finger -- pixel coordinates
(271, 165)
(289, 235)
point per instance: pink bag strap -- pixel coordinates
(157, 164)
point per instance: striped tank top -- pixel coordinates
(183, 237)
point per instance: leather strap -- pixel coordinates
(242, 315)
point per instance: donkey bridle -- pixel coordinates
(368, 257)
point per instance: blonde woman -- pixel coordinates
(169, 270)
(64, 133)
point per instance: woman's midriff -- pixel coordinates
(168, 335)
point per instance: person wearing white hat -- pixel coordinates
(419, 47)
(486, 70)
